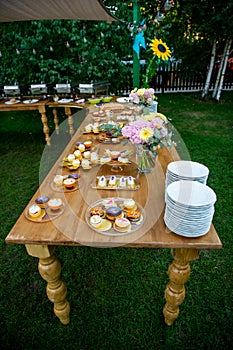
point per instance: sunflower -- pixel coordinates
(160, 49)
(145, 134)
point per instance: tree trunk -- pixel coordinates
(219, 90)
(220, 77)
(211, 66)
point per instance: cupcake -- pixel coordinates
(85, 164)
(129, 204)
(95, 221)
(87, 154)
(114, 155)
(42, 201)
(71, 157)
(76, 163)
(77, 154)
(81, 147)
(34, 211)
(55, 204)
(105, 159)
(112, 213)
(94, 157)
(122, 225)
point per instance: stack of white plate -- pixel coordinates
(189, 208)
(186, 170)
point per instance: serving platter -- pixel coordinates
(12, 102)
(108, 227)
(46, 214)
(117, 185)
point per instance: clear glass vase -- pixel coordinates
(145, 159)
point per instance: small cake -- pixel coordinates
(130, 182)
(105, 159)
(81, 147)
(87, 154)
(76, 163)
(97, 211)
(123, 160)
(123, 183)
(112, 181)
(133, 215)
(58, 180)
(74, 176)
(55, 204)
(122, 224)
(112, 213)
(85, 164)
(88, 128)
(88, 144)
(71, 157)
(94, 157)
(34, 211)
(129, 204)
(114, 155)
(42, 201)
(109, 202)
(95, 221)
(77, 154)
(102, 182)
(69, 183)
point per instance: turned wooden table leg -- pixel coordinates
(56, 120)
(179, 272)
(70, 120)
(50, 270)
(44, 120)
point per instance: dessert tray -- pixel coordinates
(61, 186)
(113, 182)
(108, 227)
(46, 214)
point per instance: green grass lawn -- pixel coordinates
(117, 295)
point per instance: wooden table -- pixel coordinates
(68, 111)
(40, 106)
(71, 229)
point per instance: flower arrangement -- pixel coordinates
(148, 134)
(142, 96)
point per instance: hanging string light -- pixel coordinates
(17, 51)
(67, 44)
(51, 48)
(34, 51)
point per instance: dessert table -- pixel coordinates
(39, 105)
(71, 228)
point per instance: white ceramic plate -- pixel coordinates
(191, 193)
(11, 103)
(30, 101)
(123, 100)
(65, 100)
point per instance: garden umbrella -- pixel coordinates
(23, 10)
